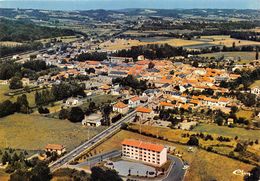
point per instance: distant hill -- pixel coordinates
(20, 31)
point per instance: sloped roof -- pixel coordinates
(143, 145)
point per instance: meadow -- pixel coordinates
(226, 131)
(34, 132)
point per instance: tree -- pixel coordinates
(6, 158)
(98, 174)
(15, 83)
(7, 108)
(92, 107)
(234, 45)
(257, 54)
(64, 114)
(240, 148)
(42, 110)
(172, 72)
(41, 172)
(151, 65)
(219, 120)
(22, 104)
(234, 109)
(254, 174)
(193, 141)
(195, 64)
(76, 114)
(106, 110)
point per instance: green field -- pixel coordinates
(243, 55)
(226, 131)
(33, 132)
(4, 89)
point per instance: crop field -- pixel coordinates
(34, 132)
(119, 44)
(203, 165)
(226, 131)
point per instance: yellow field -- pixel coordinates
(256, 83)
(203, 165)
(244, 114)
(9, 43)
(229, 42)
(119, 44)
(33, 132)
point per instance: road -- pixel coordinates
(177, 172)
(91, 142)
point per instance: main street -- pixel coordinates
(91, 142)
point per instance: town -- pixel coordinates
(128, 99)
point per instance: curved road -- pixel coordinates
(177, 172)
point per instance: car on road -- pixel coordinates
(185, 167)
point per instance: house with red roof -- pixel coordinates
(59, 149)
(134, 102)
(144, 113)
(121, 108)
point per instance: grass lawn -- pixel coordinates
(203, 165)
(245, 56)
(33, 132)
(226, 131)
(245, 114)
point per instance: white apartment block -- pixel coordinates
(149, 153)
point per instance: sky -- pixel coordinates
(121, 4)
